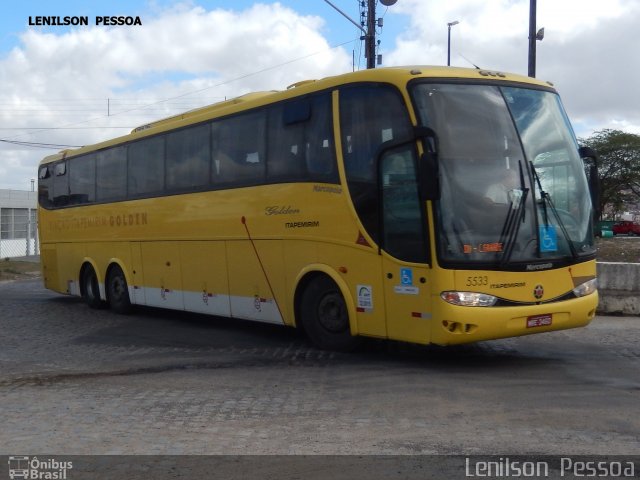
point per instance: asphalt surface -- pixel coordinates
(75, 381)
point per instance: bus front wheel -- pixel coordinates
(118, 291)
(90, 288)
(325, 317)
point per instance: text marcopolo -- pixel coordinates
(83, 20)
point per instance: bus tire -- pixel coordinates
(325, 317)
(90, 289)
(118, 291)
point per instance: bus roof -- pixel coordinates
(394, 75)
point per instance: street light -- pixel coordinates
(533, 37)
(450, 24)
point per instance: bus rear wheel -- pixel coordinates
(118, 291)
(324, 316)
(90, 289)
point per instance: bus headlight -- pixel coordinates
(469, 299)
(586, 288)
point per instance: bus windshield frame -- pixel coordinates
(513, 191)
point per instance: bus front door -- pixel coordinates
(407, 301)
(404, 248)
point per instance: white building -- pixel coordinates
(18, 223)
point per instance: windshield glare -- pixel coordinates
(512, 184)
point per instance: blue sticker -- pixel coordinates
(548, 238)
(406, 276)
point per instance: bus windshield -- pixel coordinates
(512, 185)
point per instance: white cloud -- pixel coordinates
(588, 51)
(50, 76)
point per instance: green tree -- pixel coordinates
(619, 168)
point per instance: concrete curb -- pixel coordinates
(619, 287)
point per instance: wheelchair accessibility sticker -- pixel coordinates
(406, 276)
(548, 238)
(406, 286)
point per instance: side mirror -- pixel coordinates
(594, 178)
(428, 171)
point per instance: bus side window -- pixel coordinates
(286, 136)
(239, 150)
(82, 179)
(188, 158)
(369, 116)
(301, 141)
(320, 157)
(45, 187)
(60, 185)
(111, 174)
(146, 167)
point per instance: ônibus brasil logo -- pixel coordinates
(34, 468)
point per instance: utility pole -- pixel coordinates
(532, 38)
(370, 36)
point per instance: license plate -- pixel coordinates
(539, 321)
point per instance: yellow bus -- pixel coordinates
(421, 204)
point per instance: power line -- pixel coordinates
(58, 128)
(241, 77)
(39, 144)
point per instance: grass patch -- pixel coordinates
(13, 270)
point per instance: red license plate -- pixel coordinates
(539, 321)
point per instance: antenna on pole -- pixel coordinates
(368, 34)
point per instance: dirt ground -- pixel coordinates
(618, 249)
(16, 270)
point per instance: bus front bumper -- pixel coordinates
(460, 324)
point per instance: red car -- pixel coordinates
(626, 228)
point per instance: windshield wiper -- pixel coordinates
(515, 217)
(546, 199)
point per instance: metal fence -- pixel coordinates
(19, 242)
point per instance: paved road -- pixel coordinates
(79, 381)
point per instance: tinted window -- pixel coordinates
(111, 174)
(369, 116)
(239, 149)
(286, 144)
(187, 162)
(82, 179)
(321, 162)
(146, 167)
(60, 195)
(301, 141)
(403, 225)
(45, 186)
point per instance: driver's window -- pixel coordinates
(403, 220)
(370, 114)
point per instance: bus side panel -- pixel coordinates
(137, 274)
(300, 253)
(162, 274)
(251, 296)
(408, 301)
(49, 262)
(363, 268)
(70, 257)
(204, 277)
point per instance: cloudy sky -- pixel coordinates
(79, 85)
